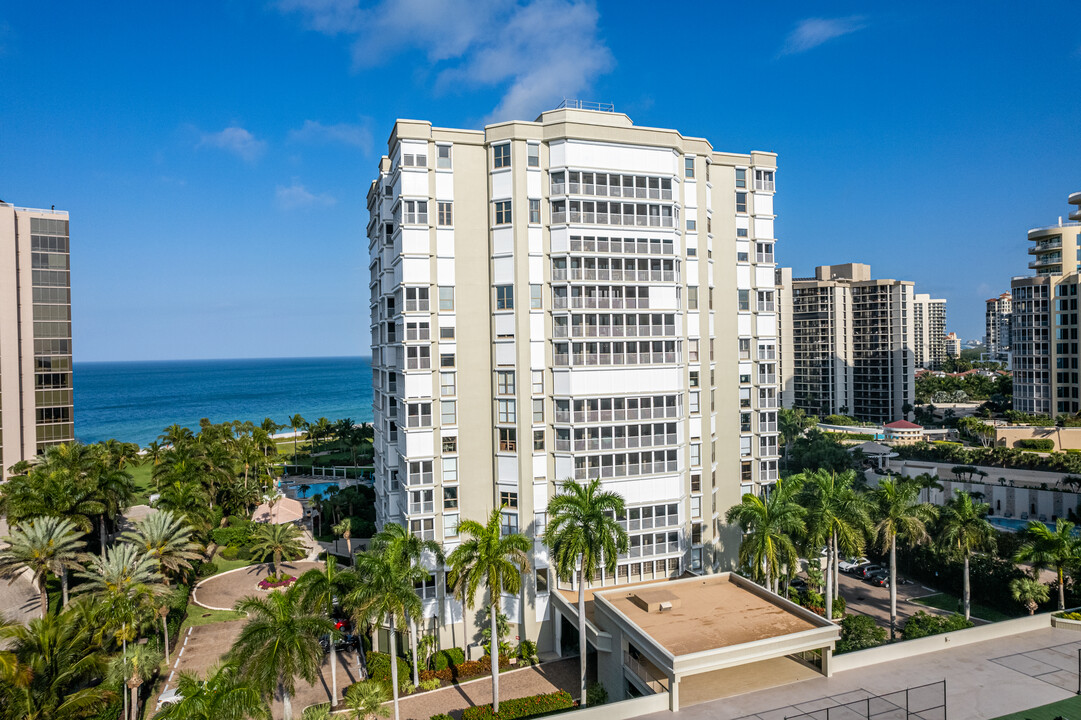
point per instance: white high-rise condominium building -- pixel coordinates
(36, 399)
(928, 331)
(1043, 324)
(851, 340)
(574, 297)
(997, 338)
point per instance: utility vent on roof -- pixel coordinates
(655, 601)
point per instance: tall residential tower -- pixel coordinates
(999, 315)
(574, 297)
(35, 333)
(929, 331)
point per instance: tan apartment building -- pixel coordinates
(573, 297)
(36, 400)
(997, 319)
(852, 343)
(928, 331)
(1044, 321)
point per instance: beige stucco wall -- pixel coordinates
(1064, 438)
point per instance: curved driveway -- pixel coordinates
(222, 592)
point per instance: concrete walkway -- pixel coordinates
(983, 680)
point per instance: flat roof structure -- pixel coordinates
(655, 636)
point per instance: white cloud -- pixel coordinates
(297, 196)
(236, 140)
(342, 133)
(812, 32)
(540, 50)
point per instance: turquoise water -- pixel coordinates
(135, 401)
(318, 487)
(1011, 524)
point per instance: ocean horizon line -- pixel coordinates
(227, 359)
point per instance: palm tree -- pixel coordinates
(583, 531)
(769, 526)
(836, 518)
(277, 540)
(1030, 592)
(136, 668)
(44, 545)
(223, 695)
(407, 551)
(187, 498)
(900, 514)
(365, 700)
(279, 642)
(1059, 549)
(385, 595)
(345, 529)
(57, 484)
(965, 530)
(317, 503)
(318, 589)
(168, 539)
(495, 560)
(320, 429)
(296, 422)
(61, 669)
(792, 422)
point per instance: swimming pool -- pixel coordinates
(1011, 524)
(313, 488)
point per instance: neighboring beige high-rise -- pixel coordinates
(929, 331)
(998, 316)
(35, 333)
(953, 345)
(1043, 324)
(852, 343)
(574, 297)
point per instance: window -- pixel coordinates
(538, 382)
(445, 215)
(694, 403)
(692, 251)
(692, 225)
(540, 519)
(423, 529)
(450, 470)
(418, 357)
(450, 525)
(696, 454)
(442, 156)
(744, 299)
(536, 297)
(765, 301)
(415, 212)
(504, 297)
(446, 299)
(533, 155)
(534, 212)
(744, 348)
(450, 445)
(763, 180)
(502, 212)
(447, 385)
(448, 412)
(446, 333)
(692, 297)
(450, 498)
(692, 350)
(538, 441)
(741, 232)
(420, 472)
(694, 378)
(501, 154)
(509, 526)
(688, 168)
(538, 411)
(509, 499)
(741, 202)
(417, 160)
(508, 439)
(741, 178)
(505, 411)
(541, 574)
(419, 415)
(446, 360)
(504, 382)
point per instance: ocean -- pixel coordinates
(135, 401)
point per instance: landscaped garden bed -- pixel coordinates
(274, 582)
(525, 707)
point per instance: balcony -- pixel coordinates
(1046, 261)
(1054, 243)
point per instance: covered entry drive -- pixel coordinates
(703, 638)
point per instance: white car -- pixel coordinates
(850, 565)
(169, 697)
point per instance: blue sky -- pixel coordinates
(215, 155)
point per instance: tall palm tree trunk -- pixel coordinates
(893, 586)
(1061, 590)
(64, 586)
(124, 643)
(968, 591)
(413, 650)
(349, 549)
(493, 651)
(334, 672)
(101, 530)
(287, 703)
(829, 579)
(43, 597)
(836, 566)
(394, 665)
(134, 701)
(165, 634)
(582, 650)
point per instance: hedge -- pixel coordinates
(465, 670)
(1036, 444)
(522, 707)
(379, 668)
(449, 658)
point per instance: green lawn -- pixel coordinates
(1068, 708)
(945, 601)
(143, 485)
(224, 565)
(199, 615)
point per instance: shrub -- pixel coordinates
(1043, 444)
(465, 670)
(923, 624)
(237, 533)
(1069, 615)
(441, 716)
(522, 707)
(276, 581)
(231, 552)
(449, 658)
(406, 687)
(839, 420)
(433, 684)
(527, 649)
(205, 570)
(859, 632)
(379, 668)
(596, 694)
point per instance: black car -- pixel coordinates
(346, 641)
(880, 578)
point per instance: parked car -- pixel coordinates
(851, 565)
(798, 583)
(867, 570)
(347, 641)
(880, 578)
(169, 697)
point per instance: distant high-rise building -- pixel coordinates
(852, 343)
(929, 331)
(574, 297)
(997, 336)
(953, 345)
(1044, 322)
(36, 398)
